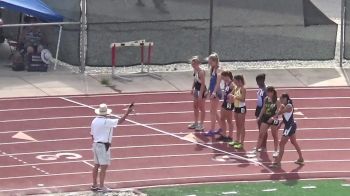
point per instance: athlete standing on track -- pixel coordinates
(102, 133)
(267, 118)
(227, 108)
(239, 95)
(199, 93)
(215, 92)
(261, 94)
(287, 110)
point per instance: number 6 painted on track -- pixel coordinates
(53, 157)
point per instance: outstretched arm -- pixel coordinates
(126, 114)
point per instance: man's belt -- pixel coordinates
(107, 145)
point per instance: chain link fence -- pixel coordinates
(238, 30)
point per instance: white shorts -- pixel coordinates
(101, 156)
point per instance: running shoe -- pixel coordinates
(225, 138)
(94, 188)
(212, 133)
(238, 146)
(260, 149)
(199, 127)
(104, 190)
(275, 165)
(193, 126)
(233, 143)
(275, 154)
(299, 162)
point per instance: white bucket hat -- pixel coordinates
(103, 110)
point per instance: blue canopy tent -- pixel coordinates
(36, 8)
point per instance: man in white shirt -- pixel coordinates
(102, 132)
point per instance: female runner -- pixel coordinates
(239, 95)
(227, 108)
(290, 128)
(198, 91)
(267, 119)
(214, 92)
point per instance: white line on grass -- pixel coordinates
(230, 193)
(309, 187)
(269, 190)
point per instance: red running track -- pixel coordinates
(149, 153)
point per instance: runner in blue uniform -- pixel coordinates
(214, 92)
(290, 127)
(199, 93)
(226, 108)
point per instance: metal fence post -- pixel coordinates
(342, 23)
(211, 26)
(83, 35)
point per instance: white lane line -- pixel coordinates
(345, 185)
(178, 137)
(156, 134)
(184, 156)
(164, 93)
(178, 102)
(89, 149)
(177, 134)
(87, 163)
(150, 124)
(188, 177)
(23, 162)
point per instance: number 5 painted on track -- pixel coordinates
(53, 157)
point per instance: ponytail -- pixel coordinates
(214, 57)
(227, 74)
(240, 78)
(286, 96)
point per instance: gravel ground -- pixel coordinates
(225, 65)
